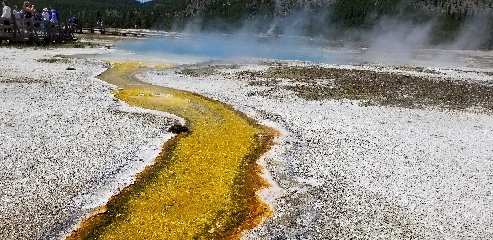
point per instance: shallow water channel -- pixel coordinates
(204, 182)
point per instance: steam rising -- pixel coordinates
(391, 40)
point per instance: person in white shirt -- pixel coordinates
(6, 13)
(46, 19)
(45, 15)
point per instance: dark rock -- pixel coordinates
(177, 129)
(70, 68)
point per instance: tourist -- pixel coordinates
(45, 16)
(6, 13)
(53, 15)
(29, 10)
(17, 15)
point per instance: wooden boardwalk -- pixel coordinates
(35, 31)
(110, 31)
(126, 32)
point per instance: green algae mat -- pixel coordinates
(203, 184)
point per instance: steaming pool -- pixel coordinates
(183, 48)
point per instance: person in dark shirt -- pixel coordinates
(53, 15)
(29, 10)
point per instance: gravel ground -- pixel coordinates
(346, 169)
(67, 144)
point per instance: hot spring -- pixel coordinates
(192, 48)
(189, 48)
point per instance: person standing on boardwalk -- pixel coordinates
(45, 16)
(28, 10)
(6, 13)
(53, 15)
(17, 15)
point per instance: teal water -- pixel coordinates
(180, 46)
(185, 48)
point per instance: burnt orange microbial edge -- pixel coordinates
(203, 184)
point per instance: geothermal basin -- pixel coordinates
(369, 147)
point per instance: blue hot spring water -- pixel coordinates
(186, 48)
(181, 47)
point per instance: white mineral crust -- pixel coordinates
(66, 143)
(343, 170)
(339, 170)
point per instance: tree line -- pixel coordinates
(228, 15)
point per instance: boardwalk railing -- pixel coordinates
(31, 30)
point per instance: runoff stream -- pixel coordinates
(203, 183)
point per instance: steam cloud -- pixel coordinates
(391, 40)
